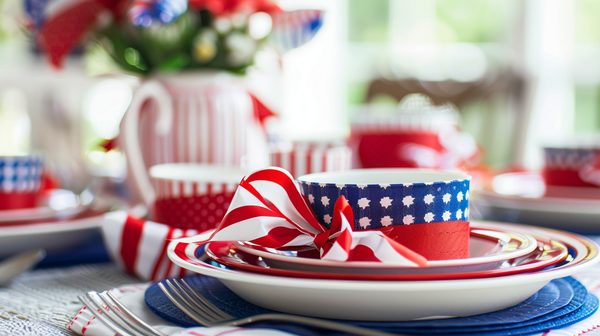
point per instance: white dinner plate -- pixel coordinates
(520, 197)
(58, 203)
(505, 245)
(51, 236)
(390, 300)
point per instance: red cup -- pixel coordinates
(193, 196)
(572, 168)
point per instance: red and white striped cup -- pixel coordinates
(308, 157)
(193, 196)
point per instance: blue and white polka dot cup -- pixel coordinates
(21, 173)
(425, 210)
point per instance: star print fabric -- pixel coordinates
(378, 206)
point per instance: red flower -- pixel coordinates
(226, 7)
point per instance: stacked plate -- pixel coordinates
(525, 198)
(64, 220)
(508, 263)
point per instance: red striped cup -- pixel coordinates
(193, 196)
(301, 158)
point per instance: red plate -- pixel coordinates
(549, 252)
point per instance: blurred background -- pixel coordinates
(519, 71)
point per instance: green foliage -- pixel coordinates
(171, 48)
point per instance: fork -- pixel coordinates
(116, 316)
(201, 310)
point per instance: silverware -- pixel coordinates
(19, 263)
(197, 307)
(108, 309)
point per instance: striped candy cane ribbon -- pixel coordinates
(268, 210)
(140, 246)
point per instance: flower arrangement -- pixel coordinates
(143, 36)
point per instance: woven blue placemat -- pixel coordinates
(558, 304)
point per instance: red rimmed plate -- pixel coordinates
(547, 253)
(489, 250)
(390, 300)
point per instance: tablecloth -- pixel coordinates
(43, 302)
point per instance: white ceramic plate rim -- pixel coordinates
(190, 172)
(544, 203)
(78, 224)
(38, 213)
(433, 285)
(529, 245)
(389, 176)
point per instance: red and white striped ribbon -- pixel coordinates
(140, 246)
(268, 210)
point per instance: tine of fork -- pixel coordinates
(199, 319)
(94, 309)
(140, 323)
(111, 315)
(199, 305)
(123, 317)
(205, 301)
(207, 314)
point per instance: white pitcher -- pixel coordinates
(203, 117)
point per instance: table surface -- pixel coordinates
(43, 302)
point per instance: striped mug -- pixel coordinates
(193, 196)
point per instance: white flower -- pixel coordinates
(241, 48)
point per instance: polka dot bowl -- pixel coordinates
(425, 210)
(193, 196)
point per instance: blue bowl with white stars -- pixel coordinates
(431, 202)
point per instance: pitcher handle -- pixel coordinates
(129, 138)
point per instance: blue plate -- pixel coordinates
(560, 303)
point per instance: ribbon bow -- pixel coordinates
(268, 210)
